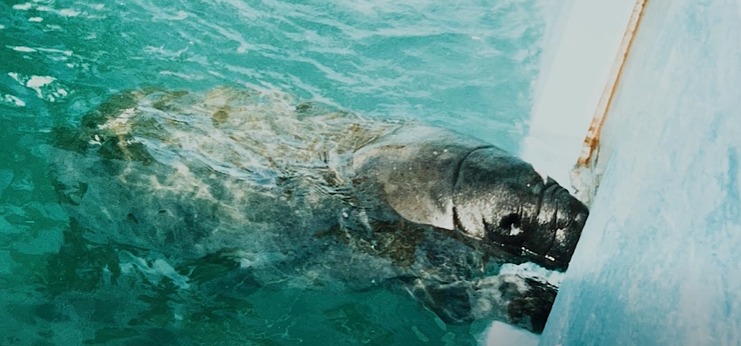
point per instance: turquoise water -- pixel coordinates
(468, 66)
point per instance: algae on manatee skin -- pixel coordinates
(92, 131)
(213, 162)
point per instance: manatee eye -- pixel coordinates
(535, 183)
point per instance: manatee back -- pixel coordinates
(195, 172)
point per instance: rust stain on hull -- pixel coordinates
(591, 142)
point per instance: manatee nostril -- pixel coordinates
(510, 220)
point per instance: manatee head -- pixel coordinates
(505, 202)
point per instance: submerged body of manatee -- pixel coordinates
(271, 191)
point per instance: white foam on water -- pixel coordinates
(162, 51)
(13, 100)
(37, 82)
(532, 270)
(15, 76)
(55, 51)
(46, 87)
(23, 49)
(68, 12)
(54, 27)
(153, 270)
(22, 7)
(96, 6)
(65, 12)
(230, 34)
(177, 16)
(502, 334)
(55, 54)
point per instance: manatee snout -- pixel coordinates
(505, 202)
(556, 227)
(439, 178)
(568, 218)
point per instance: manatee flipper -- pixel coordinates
(524, 302)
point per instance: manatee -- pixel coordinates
(311, 194)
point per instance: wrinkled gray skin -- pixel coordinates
(317, 197)
(439, 178)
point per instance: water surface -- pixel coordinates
(468, 66)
